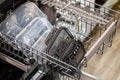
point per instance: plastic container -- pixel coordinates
(26, 13)
(20, 18)
(35, 29)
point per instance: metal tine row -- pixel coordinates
(90, 7)
(56, 61)
(90, 16)
(41, 57)
(12, 52)
(82, 28)
(65, 77)
(53, 62)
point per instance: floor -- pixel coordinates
(107, 66)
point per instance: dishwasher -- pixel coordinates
(30, 40)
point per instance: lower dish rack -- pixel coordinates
(83, 22)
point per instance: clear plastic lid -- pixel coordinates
(26, 13)
(22, 16)
(33, 31)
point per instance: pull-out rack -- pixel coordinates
(95, 28)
